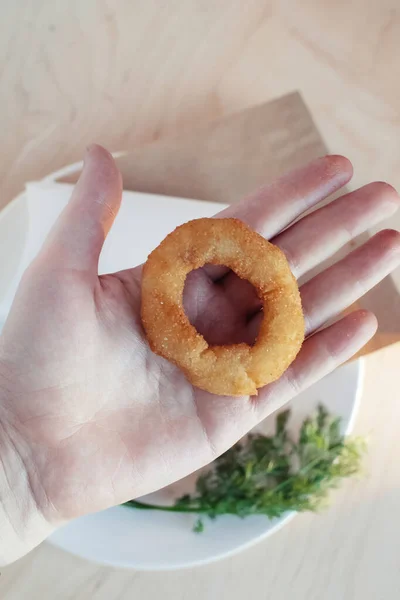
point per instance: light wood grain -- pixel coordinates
(125, 72)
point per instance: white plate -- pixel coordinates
(152, 540)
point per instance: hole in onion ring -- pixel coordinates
(222, 309)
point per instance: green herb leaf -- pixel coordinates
(271, 475)
(198, 526)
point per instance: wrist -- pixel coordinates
(22, 523)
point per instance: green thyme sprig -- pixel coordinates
(272, 475)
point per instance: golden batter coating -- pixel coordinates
(229, 370)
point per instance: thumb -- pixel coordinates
(76, 240)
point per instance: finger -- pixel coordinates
(275, 206)
(215, 272)
(338, 287)
(78, 236)
(217, 316)
(320, 355)
(241, 294)
(319, 235)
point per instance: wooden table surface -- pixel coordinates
(126, 71)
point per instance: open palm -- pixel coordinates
(95, 417)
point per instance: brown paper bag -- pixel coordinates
(225, 160)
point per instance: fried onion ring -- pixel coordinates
(232, 370)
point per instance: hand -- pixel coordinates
(90, 417)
